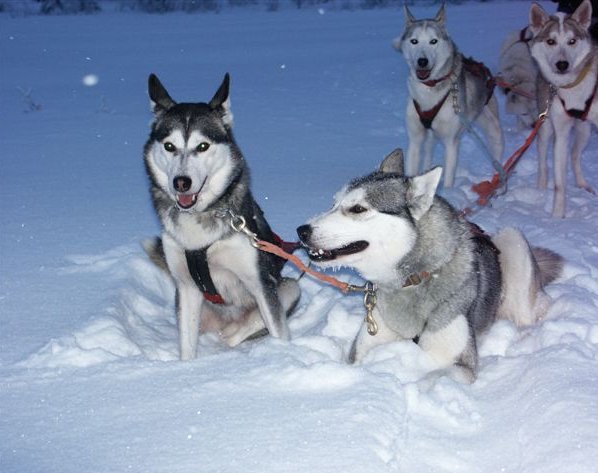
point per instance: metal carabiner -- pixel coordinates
(370, 299)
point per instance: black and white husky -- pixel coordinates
(200, 189)
(448, 94)
(568, 62)
(440, 280)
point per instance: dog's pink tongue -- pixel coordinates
(422, 73)
(186, 200)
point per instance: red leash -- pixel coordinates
(505, 85)
(487, 189)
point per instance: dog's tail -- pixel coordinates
(525, 272)
(154, 249)
(550, 264)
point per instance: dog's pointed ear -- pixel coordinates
(409, 18)
(394, 162)
(537, 18)
(441, 15)
(160, 100)
(583, 14)
(422, 189)
(221, 101)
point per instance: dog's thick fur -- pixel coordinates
(393, 230)
(199, 180)
(518, 74)
(568, 62)
(439, 81)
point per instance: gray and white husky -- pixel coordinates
(519, 73)
(200, 187)
(440, 280)
(568, 62)
(448, 94)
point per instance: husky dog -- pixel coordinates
(200, 187)
(448, 94)
(440, 280)
(518, 74)
(568, 62)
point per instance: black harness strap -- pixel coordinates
(581, 114)
(197, 262)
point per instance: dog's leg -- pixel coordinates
(561, 151)
(489, 121)
(581, 137)
(544, 138)
(253, 326)
(188, 299)
(453, 348)
(451, 156)
(429, 143)
(417, 135)
(364, 342)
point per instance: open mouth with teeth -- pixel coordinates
(186, 201)
(423, 74)
(329, 255)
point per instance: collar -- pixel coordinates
(416, 279)
(582, 75)
(434, 82)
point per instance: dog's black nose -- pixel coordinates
(422, 62)
(562, 66)
(304, 232)
(182, 183)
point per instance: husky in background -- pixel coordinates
(200, 187)
(519, 73)
(440, 280)
(568, 62)
(448, 94)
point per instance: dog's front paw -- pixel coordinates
(588, 188)
(251, 326)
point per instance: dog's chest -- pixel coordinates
(401, 311)
(234, 266)
(430, 97)
(191, 234)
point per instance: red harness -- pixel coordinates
(426, 117)
(478, 69)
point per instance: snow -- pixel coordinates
(89, 372)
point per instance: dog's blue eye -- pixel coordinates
(572, 41)
(414, 41)
(168, 146)
(550, 42)
(357, 209)
(203, 146)
(433, 41)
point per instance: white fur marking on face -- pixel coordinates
(390, 237)
(176, 138)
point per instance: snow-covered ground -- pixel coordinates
(89, 376)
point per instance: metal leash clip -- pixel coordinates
(369, 302)
(239, 225)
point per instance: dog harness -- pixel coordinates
(477, 69)
(426, 117)
(524, 36)
(581, 114)
(197, 263)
